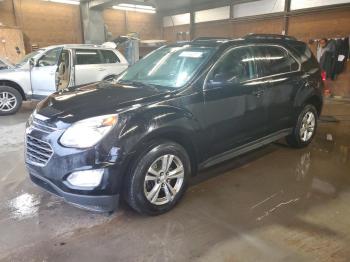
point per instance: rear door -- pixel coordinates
(281, 73)
(112, 63)
(87, 66)
(233, 98)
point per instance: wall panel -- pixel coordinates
(121, 22)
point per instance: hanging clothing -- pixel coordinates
(332, 58)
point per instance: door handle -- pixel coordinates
(258, 93)
(101, 69)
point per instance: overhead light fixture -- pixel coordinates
(69, 2)
(135, 8)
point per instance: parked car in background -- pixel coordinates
(183, 107)
(53, 68)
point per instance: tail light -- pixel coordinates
(324, 75)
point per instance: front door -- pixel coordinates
(43, 73)
(233, 99)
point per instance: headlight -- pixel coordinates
(31, 118)
(88, 132)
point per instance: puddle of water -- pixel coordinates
(24, 206)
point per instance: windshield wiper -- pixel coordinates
(137, 84)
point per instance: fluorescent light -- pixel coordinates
(136, 8)
(70, 2)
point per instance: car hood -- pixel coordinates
(4, 62)
(12, 70)
(101, 98)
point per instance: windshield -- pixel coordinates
(29, 56)
(2, 65)
(169, 66)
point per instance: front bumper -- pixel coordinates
(52, 174)
(93, 203)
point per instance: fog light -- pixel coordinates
(86, 178)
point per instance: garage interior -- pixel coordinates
(272, 204)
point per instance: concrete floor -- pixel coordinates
(274, 204)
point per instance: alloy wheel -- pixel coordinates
(307, 126)
(7, 101)
(164, 179)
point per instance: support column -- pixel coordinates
(286, 16)
(93, 24)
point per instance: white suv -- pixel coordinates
(53, 68)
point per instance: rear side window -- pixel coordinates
(87, 57)
(274, 60)
(109, 57)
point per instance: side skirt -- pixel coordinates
(245, 148)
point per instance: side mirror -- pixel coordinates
(32, 62)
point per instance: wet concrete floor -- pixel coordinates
(273, 204)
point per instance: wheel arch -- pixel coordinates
(15, 86)
(181, 137)
(316, 101)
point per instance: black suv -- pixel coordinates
(182, 108)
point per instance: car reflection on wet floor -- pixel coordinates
(273, 204)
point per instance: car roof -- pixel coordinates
(76, 46)
(222, 43)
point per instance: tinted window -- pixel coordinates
(236, 66)
(50, 58)
(109, 57)
(88, 57)
(275, 60)
(303, 51)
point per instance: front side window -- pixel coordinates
(109, 57)
(274, 60)
(50, 58)
(236, 66)
(87, 57)
(171, 67)
(31, 55)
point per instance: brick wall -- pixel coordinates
(43, 23)
(7, 17)
(304, 26)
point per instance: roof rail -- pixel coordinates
(207, 38)
(269, 37)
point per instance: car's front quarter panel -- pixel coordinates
(166, 119)
(19, 76)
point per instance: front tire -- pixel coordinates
(305, 129)
(159, 178)
(10, 100)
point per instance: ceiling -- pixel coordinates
(167, 6)
(181, 5)
(171, 5)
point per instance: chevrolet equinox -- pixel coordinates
(182, 108)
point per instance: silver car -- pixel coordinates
(53, 68)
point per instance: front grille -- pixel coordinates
(43, 126)
(38, 152)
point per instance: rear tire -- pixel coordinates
(10, 100)
(305, 129)
(158, 178)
